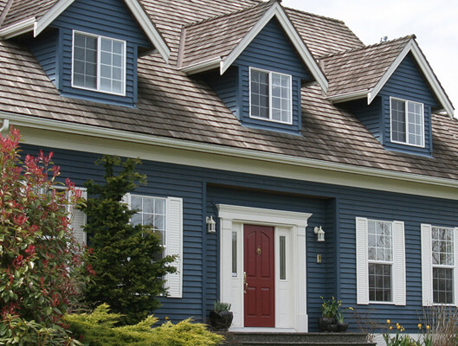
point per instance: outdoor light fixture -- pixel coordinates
(211, 224)
(319, 233)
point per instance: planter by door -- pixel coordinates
(221, 321)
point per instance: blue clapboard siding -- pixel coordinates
(45, 48)
(226, 87)
(271, 50)
(109, 18)
(333, 207)
(408, 83)
(369, 115)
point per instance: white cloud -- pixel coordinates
(434, 22)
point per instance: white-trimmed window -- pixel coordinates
(270, 96)
(166, 216)
(439, 258)
(407, 122)
(380, 261)
(99, 63)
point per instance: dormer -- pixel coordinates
(256, 61)
(89, 49)
(393, 91)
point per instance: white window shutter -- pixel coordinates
(399, 265)
(126, 199)
(362, 272)
(455, 270)
(174, 246)
(426, 265)
(78, 220)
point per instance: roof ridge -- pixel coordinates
(332, 55)
(314, 14)
(268, 3)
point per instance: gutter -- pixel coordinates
(119, 135)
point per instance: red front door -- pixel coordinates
(260, 278)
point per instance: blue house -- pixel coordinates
(329, 167)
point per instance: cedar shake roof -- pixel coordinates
(21, 10)
(216, 37)
(174, 105)
(361, 69)
(322, 35)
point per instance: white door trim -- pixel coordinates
(291, 309)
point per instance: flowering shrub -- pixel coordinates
(40, 262)
(399, 339)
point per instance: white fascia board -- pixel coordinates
(248, 154)
(149, 28)
(202, 66)
(356, 95)
(17, 29)
(277, 10)
(412, 47)
(50, 16)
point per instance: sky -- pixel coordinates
(434, 22)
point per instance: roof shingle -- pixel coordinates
(174, 105)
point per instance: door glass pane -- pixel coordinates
(234, 254)
(282, 258)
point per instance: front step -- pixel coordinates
(296, 339)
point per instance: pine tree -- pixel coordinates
(126, 258)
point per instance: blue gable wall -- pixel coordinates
(109, 18)
(270, 50)
(333, 207)
(408, 83)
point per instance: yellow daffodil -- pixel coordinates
(419, 325)
(391, 327)
(427, 327)
(388, 321)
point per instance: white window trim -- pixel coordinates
(290, 122)
(406, 102)
(362, 263)
(174, 241)
(427, 265)
(97, 89)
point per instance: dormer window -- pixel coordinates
(407, 122)
(98, 63)
(270, 96)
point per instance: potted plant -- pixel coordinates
(221, 316)
(329, 310)
(342, 326)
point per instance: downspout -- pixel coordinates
(5, 126)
